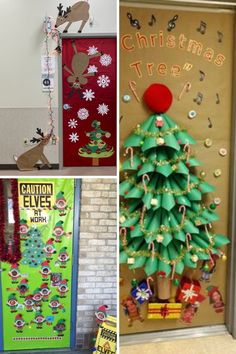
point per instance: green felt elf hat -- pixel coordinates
(60, 195)
(59, 223)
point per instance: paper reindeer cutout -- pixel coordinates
(79, 65)
(78, 12)
(28, 160)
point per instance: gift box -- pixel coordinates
(141, 292)
(107, 337)
(164, 311)
(189, 291)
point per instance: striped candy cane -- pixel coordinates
(188, 239)
(152, 247)
(182, 207)
(132, 86)
(131, 150)
(148, 284)
(123, 235)
(187, 148)
(186, 88)
(145, 177)
(173, 270)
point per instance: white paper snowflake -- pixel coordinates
(88, 95)
(74, 137)
(103, 109)
(92, 69)
(72, 123)
(83, 113)
(105, 59)
(92, 50)
(103, 81)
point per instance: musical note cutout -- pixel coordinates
(134, 22)
(171, 23)
(153, 20)
(202, 75)
(210, 123)
(217, 99)
(202, 27)
(198, 99)
(220, 36)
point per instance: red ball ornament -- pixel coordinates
(158, 98)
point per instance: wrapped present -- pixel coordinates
(164, 311)
(142, 292)
(107, 337)
(189, 291)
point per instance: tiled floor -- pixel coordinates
(221, 344)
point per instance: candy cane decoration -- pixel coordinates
(211, 259)
(131, 155)
(173, 270)
(188, 181)
(123, 234)
(132, 86)
(206, 229)
(188, 239)
(145, 177)
(182, 207)
(148, 284)
(186, 88)
(152, 246)
(187, 148)
(142, 215)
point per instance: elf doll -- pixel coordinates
(14, 273)
(58, 231)
(12, 302)
(61, 204)
(45, 270)
(60, 327)
(39, 320)
(49, 249)
(45, 291)
(63, 257)
(55, 304)
(29, 303)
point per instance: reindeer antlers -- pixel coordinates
(60, 7)
(40, 132)
(68, 9)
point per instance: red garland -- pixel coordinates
(8, 253)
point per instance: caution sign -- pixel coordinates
(37, 198)
(107, 337)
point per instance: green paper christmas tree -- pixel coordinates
(33, 254)
(97, 147)
(164, 224)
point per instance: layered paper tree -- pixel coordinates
(33, 254)
(164, 224)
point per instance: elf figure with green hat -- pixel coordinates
(55, 304)
(61, 204)
(39, 319)
(24, 229)
(29, 303)
(58, 231)
(63, 257)
(12, 302)
(23, 287)
(63, 288)
(49, 249)
(60, 327)
(45, 270)
(14, 273)
(165, 224)
(37, 297)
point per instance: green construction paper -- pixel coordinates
(220, 240)
(136, 232)
(133, 140)
(188, 262)
(130, 221)
(194, 195)
(124, 187)
(168, 200)
(173, 253)
(200, 220)
(182, 200)
(165, 170)
(123, 257)
(210, 215)
(134, 192)
(169, 121)
(158, 197)
(179, 267)
(154, 223)
(149, 142)
(205, 187)
(149, 123)
(147, 200)
(180, 236)
(167, 238)
(136, 162)
(151, 265)
(170, 141)
(190, 227)
(45, 227)
(181, 168)
(197, 241)
(194, 162)
(146, 167)
(139, 261)
(184, 138)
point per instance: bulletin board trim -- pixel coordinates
(1, 318)
(60, 89)
(203, 3)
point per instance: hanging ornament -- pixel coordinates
(159, 122)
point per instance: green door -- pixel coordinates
(36, 292)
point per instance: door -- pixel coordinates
(36, 292)
(89, 100)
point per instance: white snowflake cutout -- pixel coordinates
(72, 123)
(74, 137)
(92, 50)
(105, 59)
(92, 69)
(103, 109)
(103, 81)
(83, 113)
(88, 95)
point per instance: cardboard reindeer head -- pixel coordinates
(28, 160)
(75, 13)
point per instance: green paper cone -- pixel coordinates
(205, 187)
(168, 201)
(130, 221)
(165, 170)
(197, 242)
(167, 238)
(151, 265)
(180, 236)
(220, 240)
(189, 227)
(194, 195)
(179, 267)
(148, 124)
(135, 192)
(136, 232)
(147, 200)
(127, 163)
(171, 141)
(125, 186)
(182, 200)
(146, 167)
(194, 162)
(138, 263)
(133, 140)
(173, 254)
(210, 215)
(123, 257)
(149, 142)
(184, 138)
(188, 262)
(181, 168)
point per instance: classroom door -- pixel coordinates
(37, 291)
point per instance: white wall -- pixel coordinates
(21, 41)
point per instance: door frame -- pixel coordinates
(60, 85)
(230, 310)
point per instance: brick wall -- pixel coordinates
(97, 254)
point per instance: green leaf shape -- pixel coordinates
(205, 187)
(220, 240)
